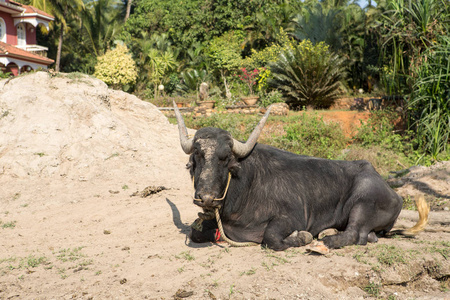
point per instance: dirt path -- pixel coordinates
(72, 152)
(350, 120)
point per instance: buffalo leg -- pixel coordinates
(279, 235)
(360, 228)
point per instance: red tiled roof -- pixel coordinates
(12, 51)
(14, 6)
(32, 10)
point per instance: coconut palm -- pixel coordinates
(101, 23)
(318, 24)
(61, 10)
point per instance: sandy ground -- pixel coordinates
(73, 154)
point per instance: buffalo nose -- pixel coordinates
(207, 199)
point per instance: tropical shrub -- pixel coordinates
(270, 54)
(308, 75)
(270, 98)
(225, 55)
(116, 68)
(191, 80)
(430, 99)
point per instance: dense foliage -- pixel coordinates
(396, 48)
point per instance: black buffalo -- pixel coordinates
(274, 194)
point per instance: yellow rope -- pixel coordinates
(217, 199)
(219, 222)
(225, 238)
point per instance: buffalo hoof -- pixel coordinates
(299, 238)
(318, 247)
(372, 237)
(327, 232)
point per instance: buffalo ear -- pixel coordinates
(191, 163)
(234, 166)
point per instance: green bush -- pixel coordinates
(270, 98)
(116, 68)
(308, 75)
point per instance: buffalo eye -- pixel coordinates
(197, 153)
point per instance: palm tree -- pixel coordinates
(100, 23)
(128, 11)
(155, 59)
(319, 24)
(267, 24)
(61, 10)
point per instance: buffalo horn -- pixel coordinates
(243, 149)
(186, 143)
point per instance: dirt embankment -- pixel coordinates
(73, 154)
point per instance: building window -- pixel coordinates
(2, 30)
(21, 37)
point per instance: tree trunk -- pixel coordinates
(60, 42)
(58, 53)
(127, 14)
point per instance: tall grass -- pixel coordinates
(430, 99)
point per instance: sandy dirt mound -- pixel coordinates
(433, 182)
(75, 128)
(82, 214)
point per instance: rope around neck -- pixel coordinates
(219, 222)
(225, 238)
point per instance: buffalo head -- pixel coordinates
(214, 156)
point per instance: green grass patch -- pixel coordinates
(11, 224)
(252, 271)
(441, 247)
(186, 255)
(69, 254)
(379, 256)
(18, 263)
(308, 134)
(373, 289)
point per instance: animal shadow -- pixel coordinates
(184, 228)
